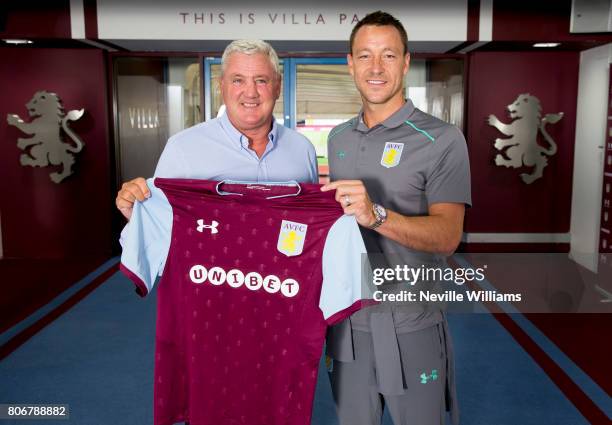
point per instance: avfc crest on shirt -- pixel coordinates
(392, 154)
(291, 238)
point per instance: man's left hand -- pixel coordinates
(353, 197)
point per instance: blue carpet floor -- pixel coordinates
(98, 359)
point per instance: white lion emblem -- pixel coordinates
(522, 148)
(48, 148)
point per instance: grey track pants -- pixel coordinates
(355, 388)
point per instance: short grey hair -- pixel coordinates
(251, 47)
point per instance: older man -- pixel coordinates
(245, 143)
(405, 177)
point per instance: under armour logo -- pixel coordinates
(212, 226)
(433, 376)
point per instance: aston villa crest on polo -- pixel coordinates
(291, 238)
(391, 154)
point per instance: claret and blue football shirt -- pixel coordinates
(252, 275)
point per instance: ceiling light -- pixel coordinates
(546, 44)
(16, 41)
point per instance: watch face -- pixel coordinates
(381, 213)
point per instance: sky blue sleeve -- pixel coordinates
(314, 167)
(146, 240)
(341, 293)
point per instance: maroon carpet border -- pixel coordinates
(568, 387)
(34, 328)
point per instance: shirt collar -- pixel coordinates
(240, 140)
(396, 119)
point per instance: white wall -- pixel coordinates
(591, 124)
(433, 20)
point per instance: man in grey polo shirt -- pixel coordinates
(405, 176)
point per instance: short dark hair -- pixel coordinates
(380, 19)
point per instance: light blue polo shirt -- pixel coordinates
(216, 150)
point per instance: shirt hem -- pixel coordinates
(341, 315)
(141, 288)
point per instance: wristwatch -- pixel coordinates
(380, 213)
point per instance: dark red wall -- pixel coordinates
(502, 202)
(540, 20)
(42, 219)
(35, 19)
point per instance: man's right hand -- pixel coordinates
(132, 191)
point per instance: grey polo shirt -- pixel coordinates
(407, 163)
